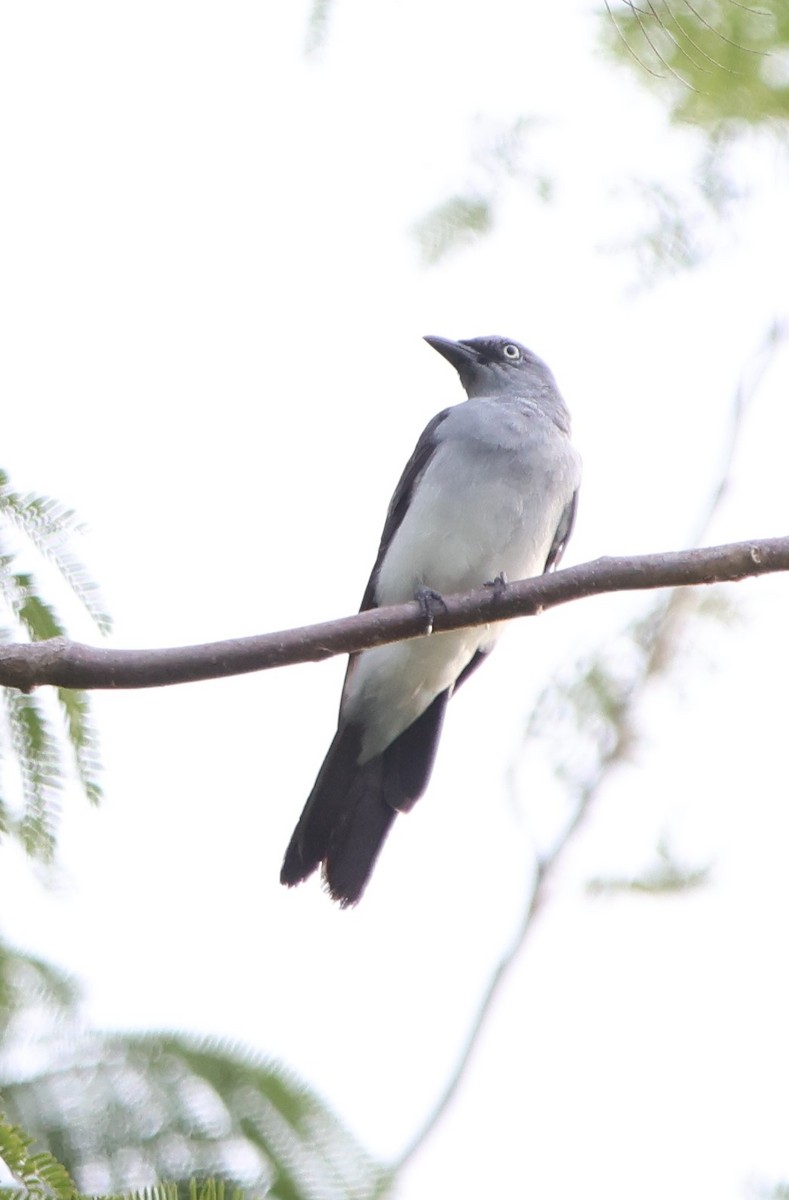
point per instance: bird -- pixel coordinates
(488, 495)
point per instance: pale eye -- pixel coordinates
(511, 352)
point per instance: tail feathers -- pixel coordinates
(344, 823)
(325, 808)
(356, 843)
(408, 760)
(352, 805)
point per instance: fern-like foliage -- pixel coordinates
(38, 734)
(42, 1176)
(121, 1112)
(50, 526)
(31, 990)
(126, 1111)
(38, 1176)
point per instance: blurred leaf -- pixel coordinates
(18, 594)
(508, 150)
(83, 738)
(42, 1177)
(717, 61)
(38, 764)
(34, 613)
(678, 227)
(38, 757)
(27, 984)
(49, 525)
(498, 153)
(681, 224)
(38, 768)
(456, 222)
(666, 875)
(124, 1112)
(317, 26)
(768, 1191)
(127, 1111)
(722, 66)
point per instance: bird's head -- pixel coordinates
(492, 365)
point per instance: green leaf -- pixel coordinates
(83, 738)
(34, 736)
(317, 25)
(456, 222)
(126, 1111)
(30, 983)
(665, 875)
(718, 62)
(39, 759)
(38, 618)
(39, 1175)
(49, 526)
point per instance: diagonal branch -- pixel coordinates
(63, 663)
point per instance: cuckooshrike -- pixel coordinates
(489, 493)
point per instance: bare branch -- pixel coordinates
(62, 663)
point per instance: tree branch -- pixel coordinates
(63, 663)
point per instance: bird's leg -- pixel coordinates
(430, 602)
(499, 585)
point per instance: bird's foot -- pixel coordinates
(499, 585)
(430, 602)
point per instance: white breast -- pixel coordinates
(489, 502)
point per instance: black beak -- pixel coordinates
(458, 354)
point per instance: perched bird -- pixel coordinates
(488, 494)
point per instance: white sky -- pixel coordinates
(211, 312)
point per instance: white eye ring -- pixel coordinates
(511, 351)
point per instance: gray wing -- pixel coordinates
(398, 506)
(562, 535)
(410, 757)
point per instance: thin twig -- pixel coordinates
(696, 46)
(717, 32)
(627, 46)
(667, 65)
(545, 867)
(747, 388)
(674, 40)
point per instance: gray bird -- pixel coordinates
(489, 494)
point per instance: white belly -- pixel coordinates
(476, 513)
(393, 685)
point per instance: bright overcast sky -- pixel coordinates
(211, 319)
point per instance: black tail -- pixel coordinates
(351, 808)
